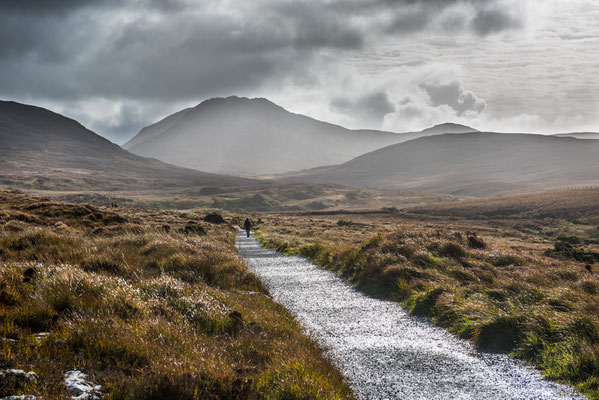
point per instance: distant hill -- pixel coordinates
(470, 164)
(41, 149)
(256, 137)
(580, 135)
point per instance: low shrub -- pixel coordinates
(214, 218)
(193, 228)
(475, 242)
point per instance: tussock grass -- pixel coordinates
(504, 294)
(145, 312)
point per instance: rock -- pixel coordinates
(21, 397)
(76, 382)
(17, 376)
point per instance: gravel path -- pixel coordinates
(384, 352)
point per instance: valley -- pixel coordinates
(490, 236)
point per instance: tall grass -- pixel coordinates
(539, 309)
(146, 313)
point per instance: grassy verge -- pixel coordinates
(150, 304)
(500, 294)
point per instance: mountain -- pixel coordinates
(40, 149)
(580, 135)
(471, 164)
(256, 137)
(251, 137)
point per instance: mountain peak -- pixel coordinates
(449, 127)
(236, 101)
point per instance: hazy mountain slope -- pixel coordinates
(44, 149)
(580, 135)
(156, 129)
(255, 137)
(477, 164)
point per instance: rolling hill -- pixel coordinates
(257, 137)
(470, 164)
(580, 135)
(40, 149)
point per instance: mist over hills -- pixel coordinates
(44, 150)
(471, 164)
(257, 137)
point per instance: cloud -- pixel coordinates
(481, 17)
(368, 109)
(488, 21)
(119, 65)
(453, 95)
(44, 7)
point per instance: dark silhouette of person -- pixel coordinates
(247, 225)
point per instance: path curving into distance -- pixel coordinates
(384, 352)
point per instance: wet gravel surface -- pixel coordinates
(384, 352)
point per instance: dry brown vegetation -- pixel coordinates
(150, 304)
(499, 282)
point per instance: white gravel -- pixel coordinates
(384, 352)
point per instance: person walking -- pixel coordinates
(247, 225)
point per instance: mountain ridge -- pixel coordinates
(213, 135)
(470, 164)
(39, 145)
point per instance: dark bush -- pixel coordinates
(568, 251)
(214, 218)
(474, 242)
(193, 228)
(343, 222)
(571, 239)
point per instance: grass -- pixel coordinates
(146, 312)
(503, 289)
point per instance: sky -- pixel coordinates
(398, 65)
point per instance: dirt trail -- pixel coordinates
(384, 352)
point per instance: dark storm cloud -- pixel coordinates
(488, 21)
(44, 6)
(312, 25)
(175, 51)
(409, 16)
(453, 95)
(370, 108)
(186, 55)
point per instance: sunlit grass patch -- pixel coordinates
(145, 312)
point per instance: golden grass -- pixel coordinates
(497, 286)
(145, 311)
